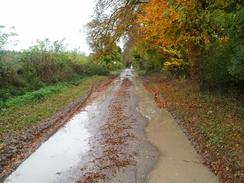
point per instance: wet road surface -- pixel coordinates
(178, 161)
(106, 142)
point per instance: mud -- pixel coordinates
(111, 146)
(19, 146)
(121, 136)
(120, 151)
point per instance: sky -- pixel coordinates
(52, 19)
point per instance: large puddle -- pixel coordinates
(56, 158)
(60, 158)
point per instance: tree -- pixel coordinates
(107, 28)
(171, 30)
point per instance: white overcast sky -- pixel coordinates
(53, 19)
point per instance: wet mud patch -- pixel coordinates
(19, 146)
(120, 151)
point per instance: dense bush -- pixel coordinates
(150, 60)
(112, 61)
(177, 67)
(223, 66)
(136, 59)
(43, 64)
(215, 68)
(88, 69)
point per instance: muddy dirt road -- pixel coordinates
(119, 137)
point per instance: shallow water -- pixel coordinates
(59, 154)
(178, 160)
(60, 158)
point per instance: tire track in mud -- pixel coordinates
(120, 151)
(20, 146)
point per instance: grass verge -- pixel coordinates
(214, 122)
(24, 111)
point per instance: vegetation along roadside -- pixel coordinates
(213, 122)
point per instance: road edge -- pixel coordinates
(31, 139)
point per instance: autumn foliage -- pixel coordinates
(201, 40)
(157, 29)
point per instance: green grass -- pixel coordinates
(24, 111)
(35, 96)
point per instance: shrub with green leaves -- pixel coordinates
(177, 67)
(112, 60)
(43, 64)
(223, 66)
(34, 96)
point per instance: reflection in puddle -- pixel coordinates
(58, 160)
(59, 154)
(127, 73)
